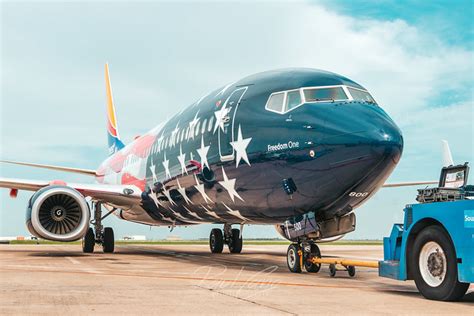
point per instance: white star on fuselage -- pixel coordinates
(200, 188)
(166, 164)
(209, 212)
(168, 196)
(155, 178)
(236, 213)
(182, 191)
(229, 185)
(173, 135)
(220, 116)
(182, 160)
(192, 213)
(240, 146)
(192, 125)
(203, 153)
(152, 195)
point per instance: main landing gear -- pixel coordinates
(99, 235)
(230, 236)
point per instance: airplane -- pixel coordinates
(297, 148)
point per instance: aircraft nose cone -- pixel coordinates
(365, 148)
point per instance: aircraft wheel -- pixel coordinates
(108, 242)
(314, 252)
(216, 240)
(351, 270)
(235, 242)
(434, 266)
(88, 241)
(293, 258)
(332, 270)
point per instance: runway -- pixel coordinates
(187, 279)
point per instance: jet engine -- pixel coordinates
(58, 213)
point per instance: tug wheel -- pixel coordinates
(351, 270)
(434, 266)
(293, 258)
(332, 270)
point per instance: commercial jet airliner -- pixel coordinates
(300, 149)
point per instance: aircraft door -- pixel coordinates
(228, 133)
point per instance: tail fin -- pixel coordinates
(447, 157)
(115, 144)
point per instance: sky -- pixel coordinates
(415, 57)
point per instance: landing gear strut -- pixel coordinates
(230, 236)
(300, 254)
(99, 235)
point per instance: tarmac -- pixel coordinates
(187, 279)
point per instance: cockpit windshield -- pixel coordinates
(285, 101)
(324, 94)
(360, 95)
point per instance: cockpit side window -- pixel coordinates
(361, 95)
(293, 99)
(275, 102)
(324, 94)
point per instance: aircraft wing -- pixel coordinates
(119, 195)
(407, 184)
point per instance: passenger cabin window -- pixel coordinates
(360, 95)
(324, 94)
(275, 103)
(293, 99)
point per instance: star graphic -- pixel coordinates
(173, 135)
(229, 185)
(240, 146)
(220, 117)
(155, 199)
(168, 196)
(192, 213)
(160, 140)
(182, 158)
(192, 125)
(236, 213)
(209, 212)
(200, 188)
(203, 153)
(182, 191)
(166, 164)
(177, 215)
(153, 171)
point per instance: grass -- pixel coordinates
(200, 242)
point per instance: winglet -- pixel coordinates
(447, 157)
(115, 144)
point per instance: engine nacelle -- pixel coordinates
(58, 213)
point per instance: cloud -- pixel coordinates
(164, 56)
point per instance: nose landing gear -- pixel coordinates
(301, 254)
(230, 236)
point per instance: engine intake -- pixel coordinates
(58, 213)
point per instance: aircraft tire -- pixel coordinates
(235, 242)
(434, 266)
(109, 241)
(216, 240)
(293, 258)
(315, 252)
(88, 241)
